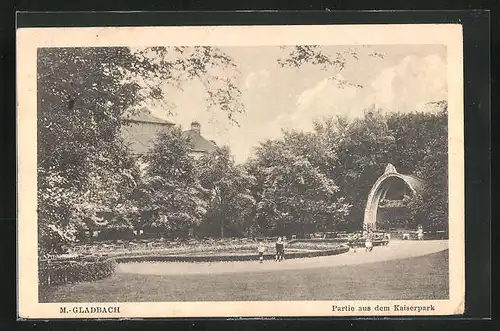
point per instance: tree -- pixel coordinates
(300, 55)
(361, 149)
(422, 150)
(231, 204)
(416, 143)
(84, 96)
(294, 194)
(170, 189)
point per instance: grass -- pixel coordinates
(418, 278)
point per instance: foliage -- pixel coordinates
(231, 204)
(300, 55)
(422, 150)
(84, 96)
(52, 273)
(294, 192)
(416, 143)
(359, 151)
(170, 188)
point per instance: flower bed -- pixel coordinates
(202, 248)
(59, 272)
(175, 250)
(213, 257)
(320, 240)
(242, 251)
(166, 247)
(226, 249)
(312, 245)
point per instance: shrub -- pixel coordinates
(64, 272)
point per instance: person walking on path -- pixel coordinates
(261, 249)
(369, 242)
(353, 241)
(420, 233)
(280, 250)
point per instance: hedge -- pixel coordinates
(67, 272)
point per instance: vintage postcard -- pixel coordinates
(240, 171)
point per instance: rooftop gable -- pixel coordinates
(198, 142)
(144, 115)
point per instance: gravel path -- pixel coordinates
(395, 250)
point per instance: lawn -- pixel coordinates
(418, 278)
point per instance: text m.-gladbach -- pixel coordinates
(93, 310)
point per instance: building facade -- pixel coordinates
(139, 133)
(142, 129)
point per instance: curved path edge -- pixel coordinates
(227, 258)
(394, 251)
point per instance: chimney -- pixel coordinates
(195, 126)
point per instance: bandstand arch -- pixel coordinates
(379, 191)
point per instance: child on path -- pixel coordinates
(354, 241)
(261, 249)
(280, 250)
(420, 233)
(369, 242)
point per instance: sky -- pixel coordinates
(275, 98)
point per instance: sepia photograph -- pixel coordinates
(254, 177)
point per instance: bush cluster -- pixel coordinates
(64, 272)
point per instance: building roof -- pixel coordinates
(142, 129)
(198, 143)
(144, 115)
(144, 126)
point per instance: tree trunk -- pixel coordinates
(221, 227)
(220, 214)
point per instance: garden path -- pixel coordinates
(394, 251)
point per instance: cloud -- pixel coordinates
(257, 79)
(412, 82)
(329, 97)
(407, 86)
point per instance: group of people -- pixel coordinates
(419, 232)
(280, 246)
(368, 235)
(280, 250)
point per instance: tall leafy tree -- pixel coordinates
(170, 189)
(295, 194)
(362, 149)
(231, 204)
(422, 150)
(416, 143)
(84, 95)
